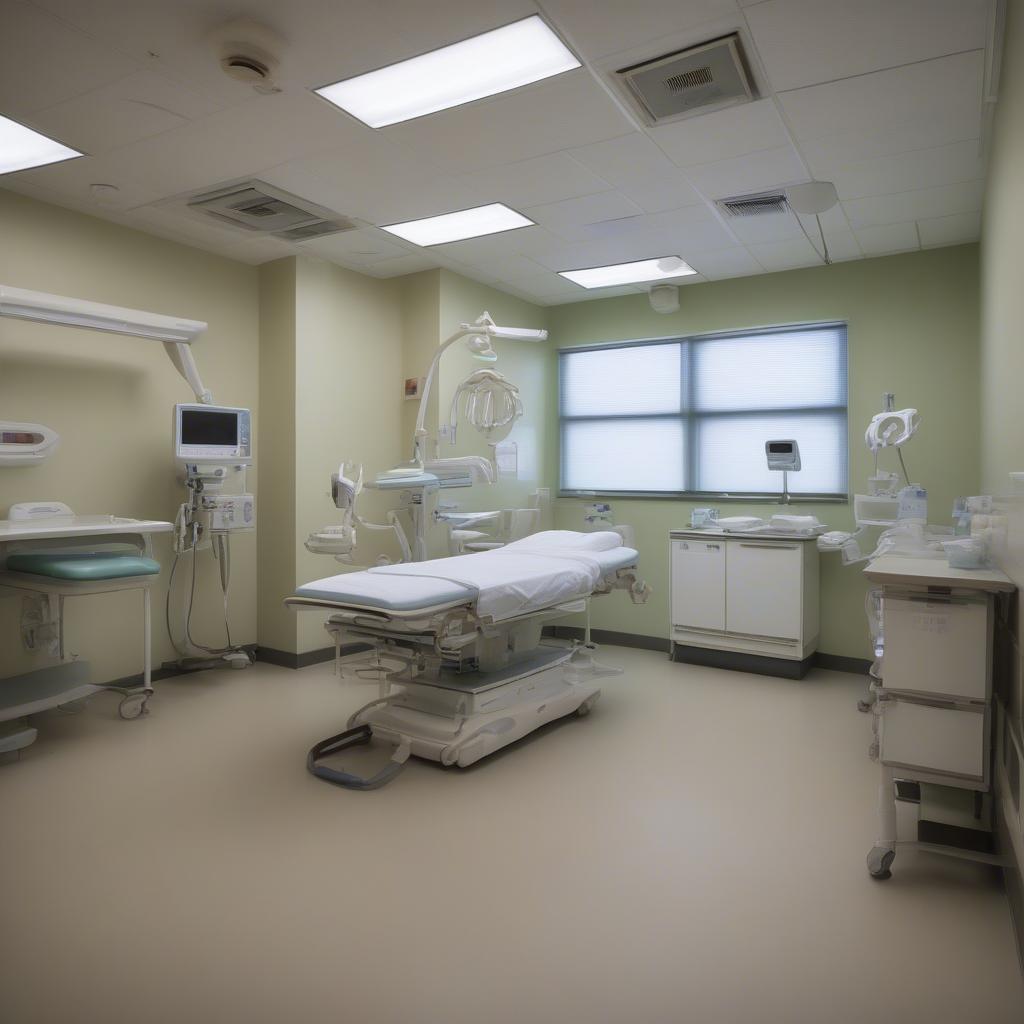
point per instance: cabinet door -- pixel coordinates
(764, 580)
(941, 739)
(698, 584)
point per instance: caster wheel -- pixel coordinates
(132, 707)
(584, 709)
(879, 862)
(864, 706)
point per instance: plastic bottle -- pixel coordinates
(961, 518)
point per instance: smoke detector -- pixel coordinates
(664, 298)
(247, 52)
(694, 81)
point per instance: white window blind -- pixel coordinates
(691, 415)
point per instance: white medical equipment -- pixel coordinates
(457, 646)
(932, 719)
(340, 540)
(26, 444)
(213, 447)
(48, 554)
(491, 404)
(783, 456)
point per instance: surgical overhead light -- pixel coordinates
(494, 62)
(629, 273)
(22, 148)
(453, 227)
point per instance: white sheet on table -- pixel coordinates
(511, 581)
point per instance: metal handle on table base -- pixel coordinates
(351, 738)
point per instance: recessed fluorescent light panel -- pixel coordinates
(629, 273)
(451, 227)
(21, 148)
(506, 58)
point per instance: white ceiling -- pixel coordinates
(883, 97)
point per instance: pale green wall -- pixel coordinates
(111, 399)
(912, 330)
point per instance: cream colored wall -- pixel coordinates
(348, 377)
(278, 627)
(530, 366)
(111, 399)
(912, 330)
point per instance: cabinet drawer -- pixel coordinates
(939, 739)
(698, 584)
(937, 646)
(764, 588)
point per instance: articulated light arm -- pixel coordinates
(176, 334)
(481, 331)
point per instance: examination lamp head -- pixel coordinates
(481, 347)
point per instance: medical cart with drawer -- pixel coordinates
(933, 707)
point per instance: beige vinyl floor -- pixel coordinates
(691, 852)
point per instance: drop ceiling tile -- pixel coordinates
(722, 134)
(543, 179)
(429, 26)
(768, 227)
(123, 112)
(238, 142)
(570, 218)
(373, 180)
(503, 245)
(953, 230)
(849, 147)
(560, 113)
(398, 266)
(743, 174)
(509, 268)
(802, 42)
(903, 172)
(787, 255)
(44, 60)
(842, 243)
(882, 239)
(605, 28)
(917, 205)
(716, 266)
(945, 91)
(656, 195)
(356, 247)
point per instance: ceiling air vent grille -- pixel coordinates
(694, 81)
(754, 205)
(258, 207)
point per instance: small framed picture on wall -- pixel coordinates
(413, 388)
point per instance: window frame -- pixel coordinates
(690, 417)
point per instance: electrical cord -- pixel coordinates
(824, 254)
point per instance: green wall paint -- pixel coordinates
(912, 330)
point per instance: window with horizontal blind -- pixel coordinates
(691, 415)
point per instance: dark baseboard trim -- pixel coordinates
(833, 662)
(609, 636)
(1013, 882)
(738, 661)
(841, 663)
(288, 659)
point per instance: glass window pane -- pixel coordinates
(623, 455)
(640, 380)
(731, 452)
(781, 370)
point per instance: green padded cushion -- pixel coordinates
(83, 565)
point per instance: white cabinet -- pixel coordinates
(764, 583)
(745, 601)
(934, 738)
(698, 583)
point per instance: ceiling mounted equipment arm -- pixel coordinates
(176, 333)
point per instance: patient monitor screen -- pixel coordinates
(209, 428)
(205, 432)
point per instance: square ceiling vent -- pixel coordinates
(261, 208)
(694, 81)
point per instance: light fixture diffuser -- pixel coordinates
(22, 148)
(629, 273)
(452, 227)
(505, 58)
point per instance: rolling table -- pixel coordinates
(47, 558)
